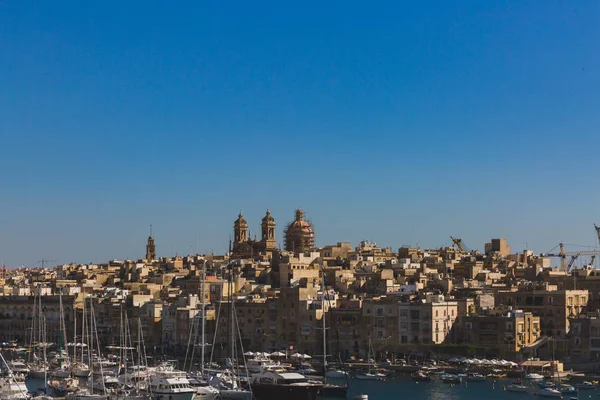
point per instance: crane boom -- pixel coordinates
(564, 254)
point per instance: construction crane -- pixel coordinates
(459, 243)
(44, 262)
(563, 256)
(597, 232)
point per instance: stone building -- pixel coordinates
(427, 322)
(508, 331)
(553, 306)
(299, 235)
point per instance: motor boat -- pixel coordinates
(285, 385)
(585, 386)
(550, 392)
(370, 376)
(171, 388)
(18, 367)
(517, 387)
(361, 397)
(203, 390)
(546, 384)
(420, 376)
(13, 389)
(475, 377)
(450, 378)
(534, 377)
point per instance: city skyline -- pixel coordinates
(399, 123)
(197, 246)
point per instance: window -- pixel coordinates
(404, 339)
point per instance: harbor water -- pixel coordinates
(407, 388)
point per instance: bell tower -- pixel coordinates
(150, 247)
(268, 232)
(240, 230)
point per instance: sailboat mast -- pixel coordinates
(323, 320)
(202, 311)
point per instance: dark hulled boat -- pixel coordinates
(285, 385)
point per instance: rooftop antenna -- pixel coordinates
(150, 229)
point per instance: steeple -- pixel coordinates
(268, 231)
(240, 230)
(150, 247)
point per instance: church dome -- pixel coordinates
(299, 234)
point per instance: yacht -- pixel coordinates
(287, 385)
(203, 390)
(13, 389)
(336, 384)
(18, 367)
(172, 388)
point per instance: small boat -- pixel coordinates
(450, 378)
(567, 389)
(550, 392)
(371, 376)
(585, 385)
(421, 377)
(546, 384)
(517, 387)
(497, 374)
(475, 377)
(361, 397)
(534, 377)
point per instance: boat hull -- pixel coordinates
(262, 391)
(334, 391)
(232, 394)
(173, 396)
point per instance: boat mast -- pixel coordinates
(323, 320)
(203, 318)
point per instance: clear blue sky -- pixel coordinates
(398, 122)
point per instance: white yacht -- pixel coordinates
(171, 388)
(13, 389)
(18, 367)
(203, 390)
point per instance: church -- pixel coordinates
(245, 247)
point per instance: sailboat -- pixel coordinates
(371, 375)
(38, 365)
(80, 368)
(336, 381)
(203, 390)
(229, 381)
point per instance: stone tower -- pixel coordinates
(240, 230)
(150, 247)
(268, 232)
(299, 235)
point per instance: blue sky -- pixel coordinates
(398, 122)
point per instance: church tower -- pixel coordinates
(268, 232)
(150, 247)
(240, 230)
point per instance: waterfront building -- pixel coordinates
(510, 331)
(428, 321)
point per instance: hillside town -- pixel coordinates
(381, 303)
